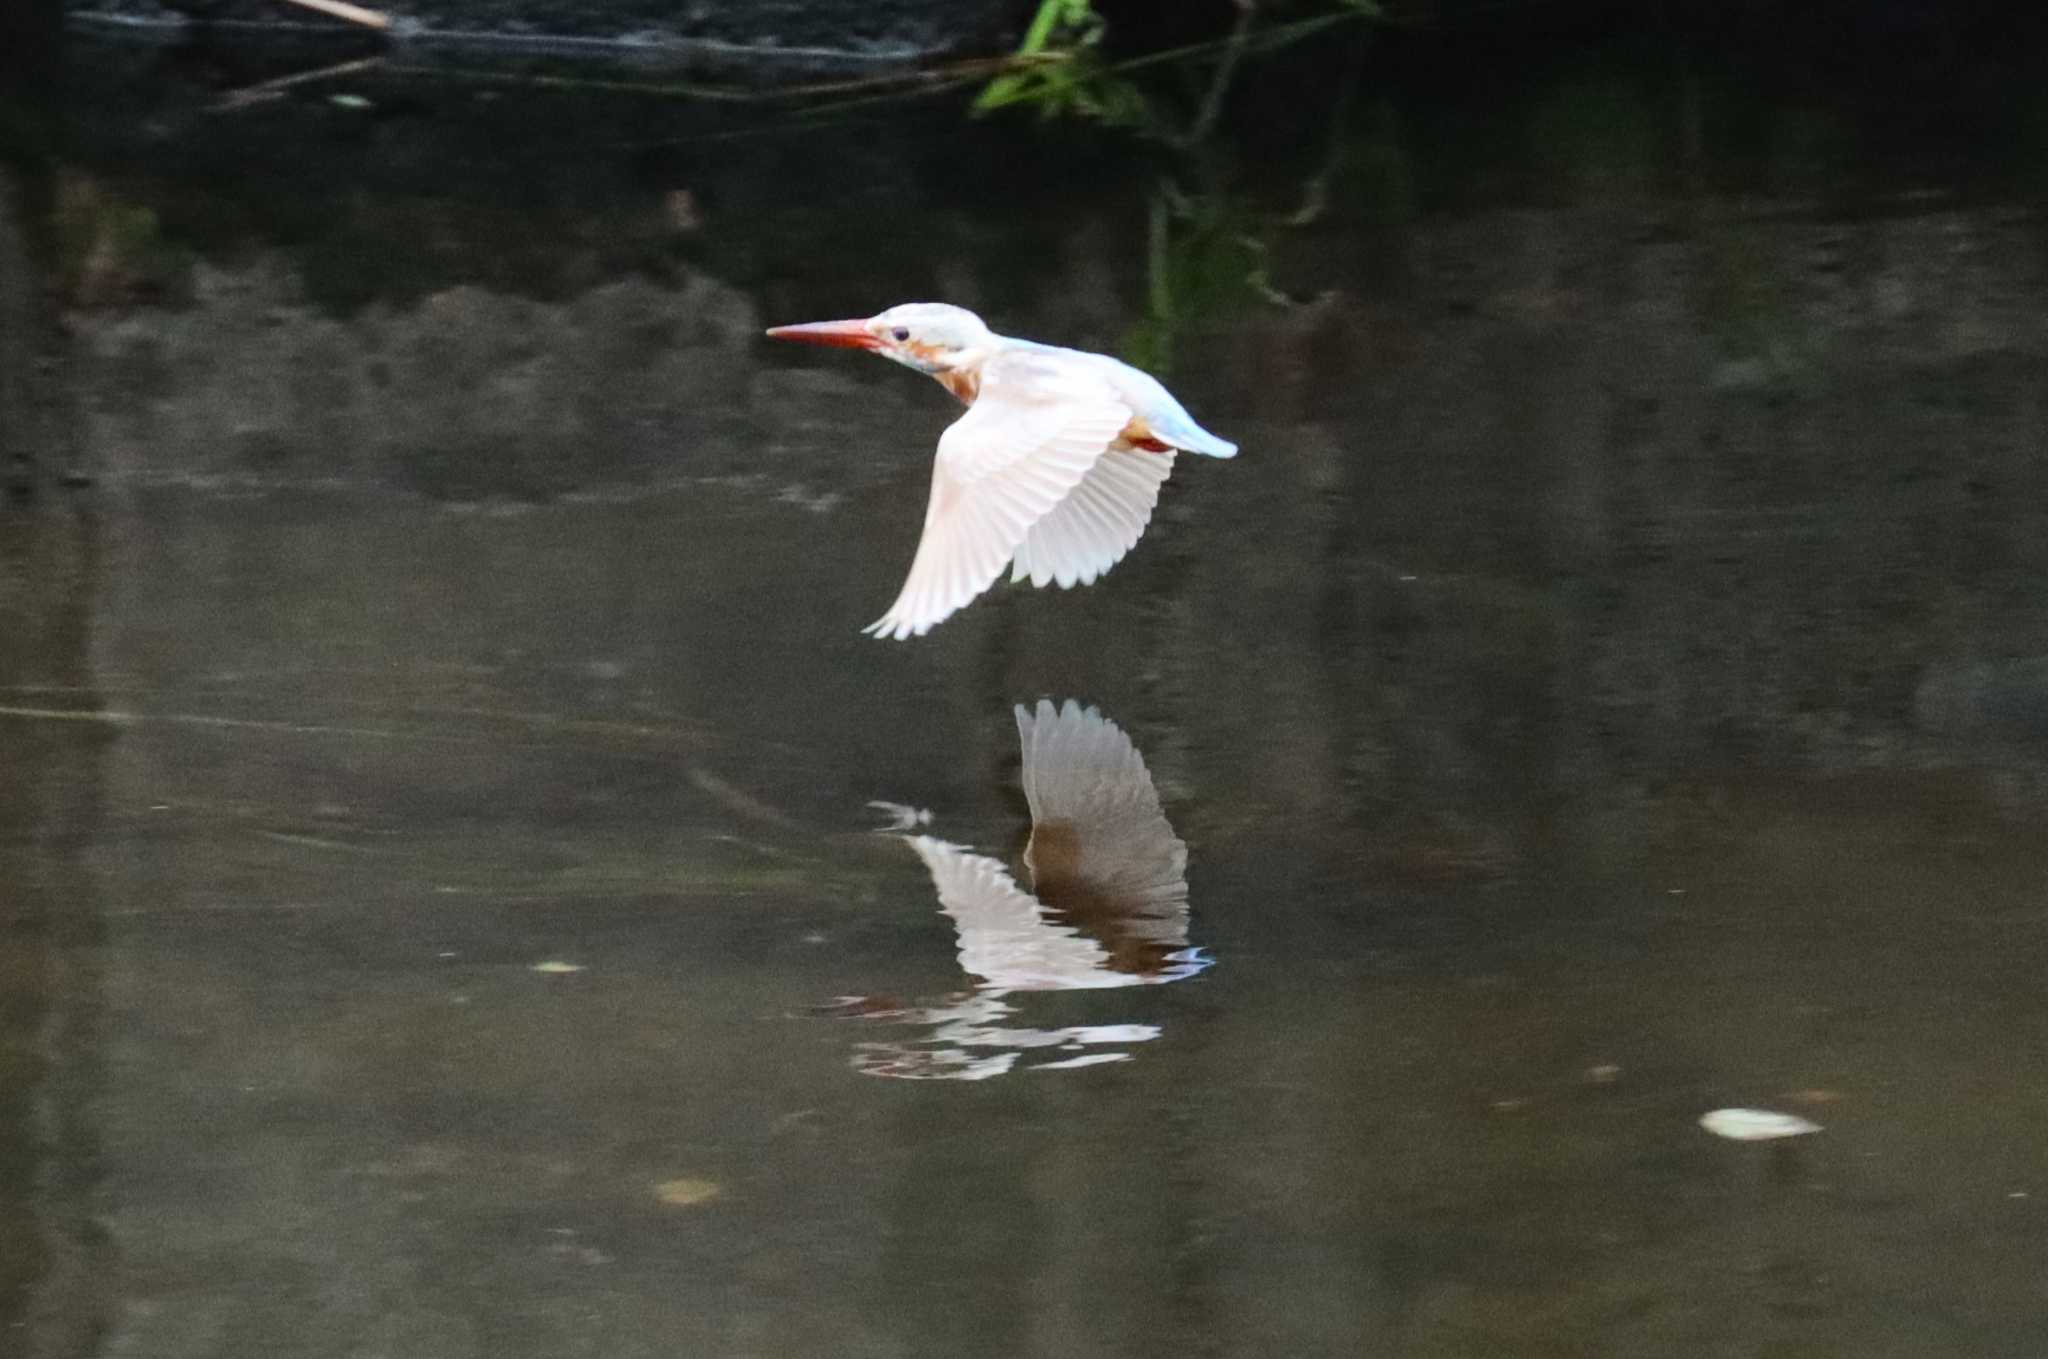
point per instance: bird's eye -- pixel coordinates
(900, 334)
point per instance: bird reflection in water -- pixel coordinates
(1108, 907)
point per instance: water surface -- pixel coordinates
(444, 902)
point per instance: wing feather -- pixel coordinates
(1099, 521)
(1032, 436)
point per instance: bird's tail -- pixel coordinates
(1199, 440)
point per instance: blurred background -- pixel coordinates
(441, 909)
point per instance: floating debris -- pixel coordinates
(686, 1192)
(1756, 1125)
(555, 968)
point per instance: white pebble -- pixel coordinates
(1755, 1125)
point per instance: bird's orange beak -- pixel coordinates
(843, 334)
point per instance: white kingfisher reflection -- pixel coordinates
(1108, 907)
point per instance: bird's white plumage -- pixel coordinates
(1098, 522)
(1055, 469)
(1034, 433)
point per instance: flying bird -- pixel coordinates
(1053, 471)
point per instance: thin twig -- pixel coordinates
(272, 89)
(1315, 192)
(355, 14)
(896, 84)
(1212, 103)
(1158, 275)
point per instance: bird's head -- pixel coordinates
(931, 337)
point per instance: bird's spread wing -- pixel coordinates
(1099, 521)
(1097, 826)
(1005, 938)
(1028, 440)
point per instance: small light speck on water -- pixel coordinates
(555, 967)
(686, 1191)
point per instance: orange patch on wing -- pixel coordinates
(1136, 434)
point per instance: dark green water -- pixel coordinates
(1611, 685)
